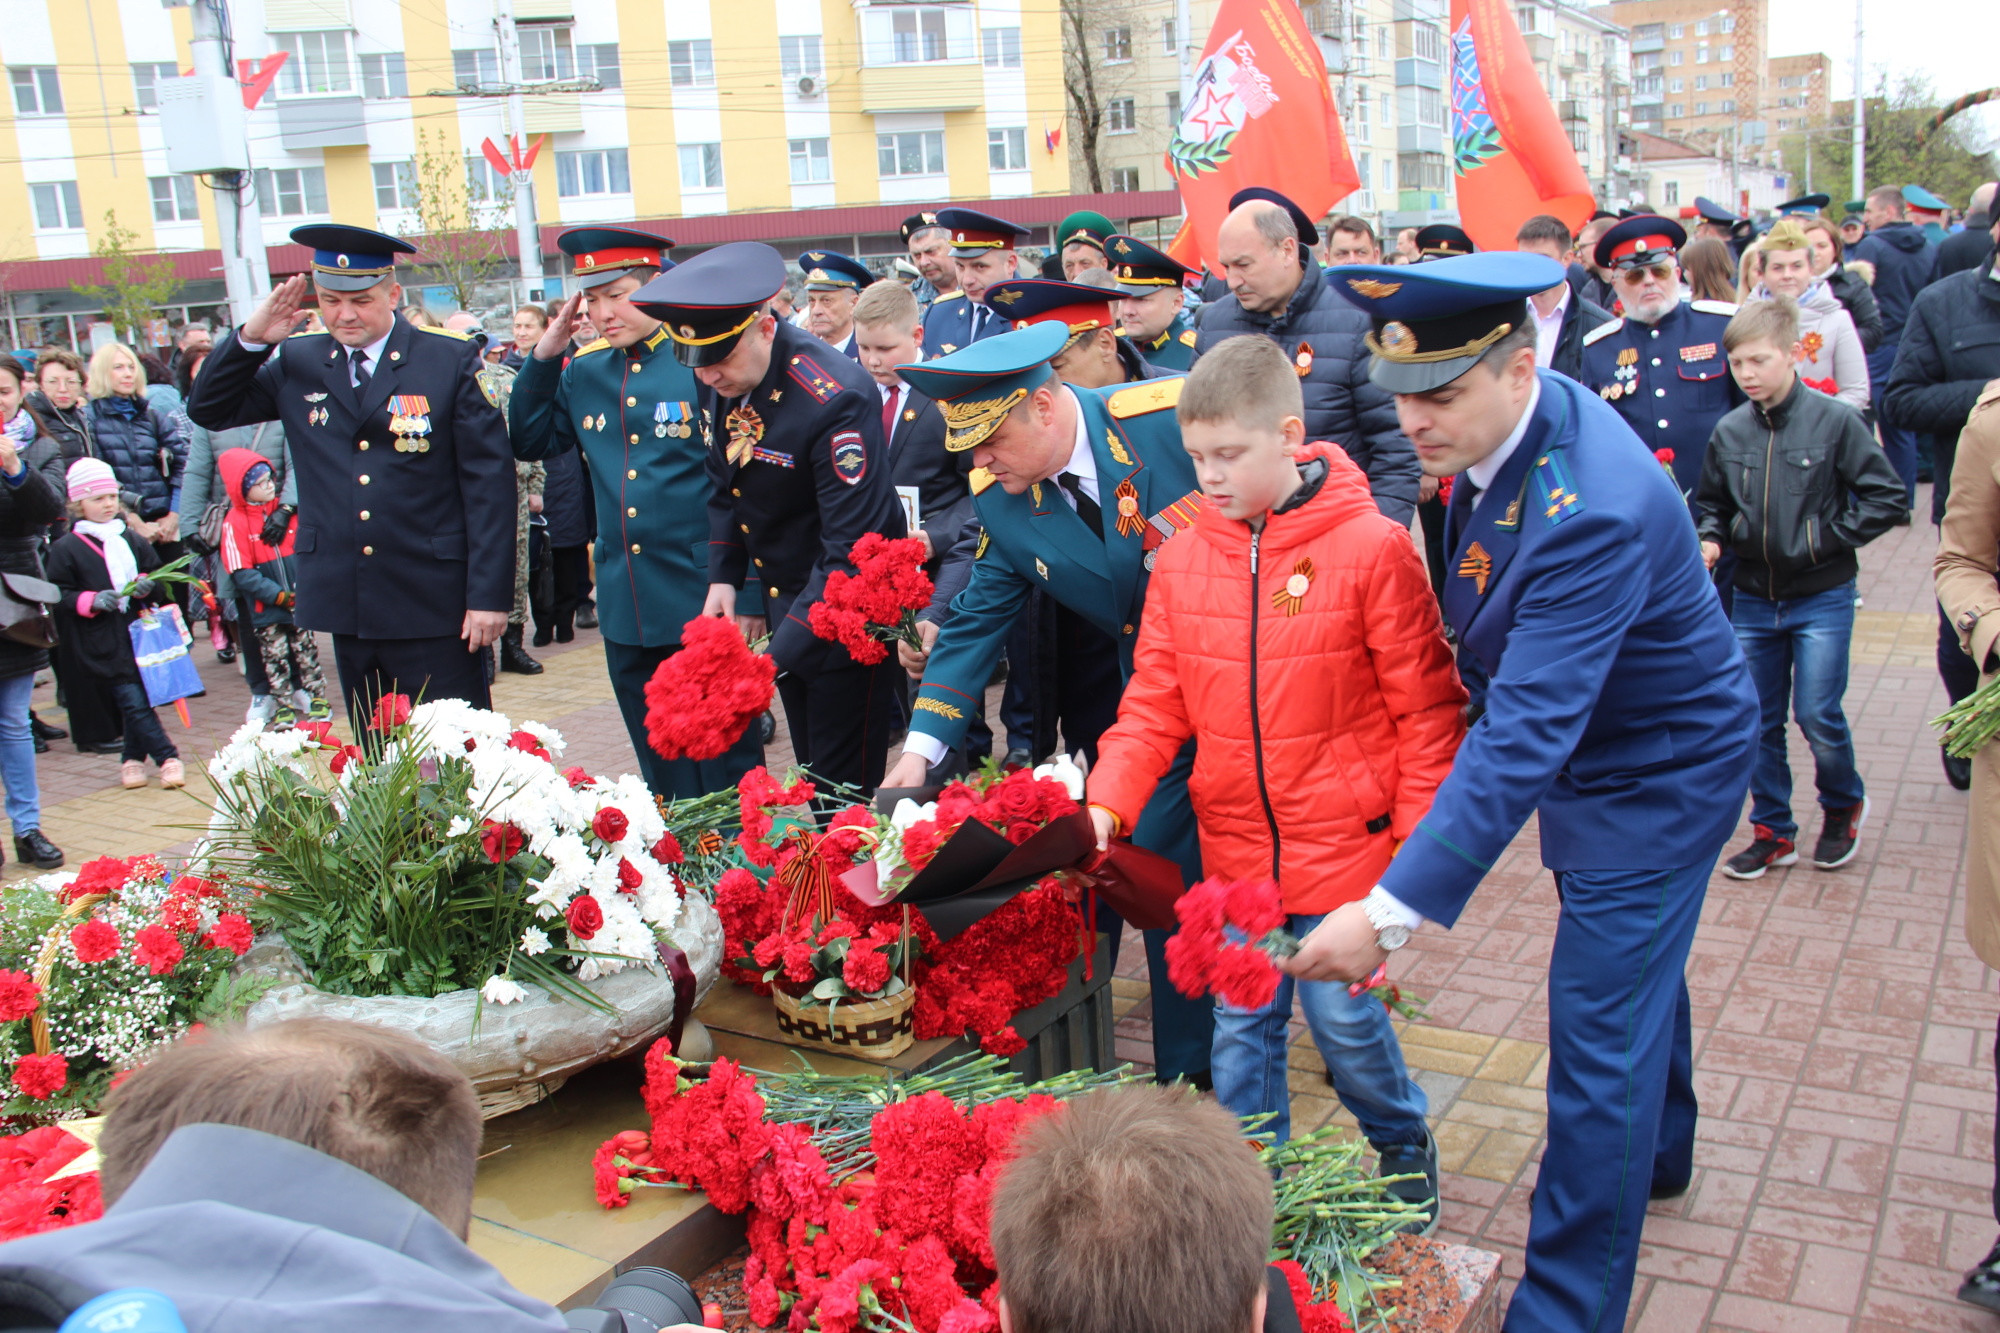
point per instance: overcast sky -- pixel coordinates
(1953, 42)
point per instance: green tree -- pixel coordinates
(459, 227)
(1951, 163)
(135, 286)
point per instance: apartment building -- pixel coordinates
(1800, 86)
(1699, 69)
(1585, 64)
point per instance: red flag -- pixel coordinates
(1509, 151)
(260, 76)
(1261, 113)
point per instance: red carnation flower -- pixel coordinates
(231, 932)
(701, 698)
(576, 778)
(391, 711)
(629, 876)
(1244, 978)
(502, 840)
(527, 742)
(95, 941)
(347, 755)
(19, 994)
(866, 970)
(667, 851)
(105, 874)
(41, 1076)
(876, 603)
(586, 918)
(610, 824)
(1004, 1042)
(157, 949)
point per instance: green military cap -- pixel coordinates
(1092, 229)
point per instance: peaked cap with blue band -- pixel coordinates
(604, 254)
(1433, 321)
(829, 271)
(709, 301)
(1710, 211)
(1141, 268)
(977, 386)
(350, 259)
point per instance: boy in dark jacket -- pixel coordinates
(265, 580)
(1775, 487)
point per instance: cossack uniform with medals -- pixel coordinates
(632, 412)
(1670, 379)
(1620, 712)
(1093, 559)
(799, 472)
(957, 320)
(1143, 270)
(405, 481)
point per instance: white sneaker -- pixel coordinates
(262, 708)
(302, 701)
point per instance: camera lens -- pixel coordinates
(655, 1295)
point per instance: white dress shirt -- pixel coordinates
(1548, 328)
(373, 349)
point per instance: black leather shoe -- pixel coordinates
(100, 747)
(1668, 1189)
(41, 746)
(1958, 772)
(31, 848)
(225, 655)
(767, 728)
(44, 731)
(1982, 1284)
(514, 658)
(1419, 1161)
(586, 616)
(544, 636)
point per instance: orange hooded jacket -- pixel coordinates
(1316, 684)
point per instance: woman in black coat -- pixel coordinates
(146, 446)
(31, 498)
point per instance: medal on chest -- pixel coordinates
(1293, 595)
(675, 419)
(745, 428)
(1129, 522)
(410, 422)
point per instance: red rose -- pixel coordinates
(667, 851)
(41, 1076)
(576, 778)
(528, 743)
(629, 877)
(391, 711)
(95, 941)
(502, 841)
(610, 824)
(196, 887)
(19, 994)
(231, 932)
(1015, 798)
(586, 918)
(157, 949)
(348, 754)
(321, 732)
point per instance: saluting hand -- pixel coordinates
(556, 337)
(282, 312)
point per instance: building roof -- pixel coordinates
(1658, 148)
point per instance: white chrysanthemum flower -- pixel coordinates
(534, 941)
(499, 990)
(458, 828)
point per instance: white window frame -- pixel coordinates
(1124, 180)
(321, 64)
(801, 57)
(920, 34)
(1118, 45)
(691, 63)
(555, 53)
(929, 150)
(475, 65)
(40, 83)
(700, 167)
(1000, 48)
(395, 187)
(592, 63)
(306, 185)
(385, 76)
(1006, 148)
(811, 159)
(1121, 116)
(146, 76)
(608, 169)
(57, 199)
(176, 194)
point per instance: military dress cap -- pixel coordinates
(977, 386)
(974, 233)
(1441, 240)
(917, 222)
(604, 254)
(828, 271)
(1308, 233)
(708, 302)
(1710, 211)
(1637, 242)
(1080, 308)
(1432, 322)
(1141, 268)
(350, 259)
(1093, 229)
(1916, 196)
(1805, 203)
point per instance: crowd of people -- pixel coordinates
(1310, 558)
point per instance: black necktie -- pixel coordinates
(361, 373)
(1086, 508)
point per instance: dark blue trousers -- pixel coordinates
(1183, 1027)
(424, 669)
(1621, 1090)
(630, 667)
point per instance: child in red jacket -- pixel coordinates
(1292, 633)
(265, 580)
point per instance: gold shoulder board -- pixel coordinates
(1146, 396)
(447, 333)
(1187, 337)
(979, 479)
(597, 346)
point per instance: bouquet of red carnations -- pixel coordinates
(701, 698)
(878, 603)
(983, 830)
(1232, 935)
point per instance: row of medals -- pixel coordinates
(1626, 377)
(662, 426)
(410, 433)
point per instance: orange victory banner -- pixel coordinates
(1509, 151)
(1260, 113)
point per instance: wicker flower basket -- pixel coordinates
(870, 1029)
(45, 963)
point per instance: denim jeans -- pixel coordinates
(17, 754)
(1797, 648)
(1355, 1039)
(145, 738)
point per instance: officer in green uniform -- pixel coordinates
(629, 403)
(1080, 241)
(1153, 314)
(1075, 489)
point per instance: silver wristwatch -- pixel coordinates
(1390, 934)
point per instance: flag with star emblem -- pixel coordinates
(1261, 112)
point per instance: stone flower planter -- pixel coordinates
(522, 1052)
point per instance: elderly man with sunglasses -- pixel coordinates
(1661, 363)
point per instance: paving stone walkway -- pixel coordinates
(1843, 1030)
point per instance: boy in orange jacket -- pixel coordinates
(1292, 633)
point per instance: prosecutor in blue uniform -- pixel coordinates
(983, 252)
(1075, 487)
(1620, 711)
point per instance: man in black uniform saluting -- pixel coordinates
(801, 471)
(405, 541)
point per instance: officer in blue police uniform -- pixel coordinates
(628, 403)
(1805, 205)
(833, 284)
(1716, 221)
(799, 471)
(1075, 489)
(406, 487)
(1153, 313)
(983, 252)
(1660, 364)
(1620, 712)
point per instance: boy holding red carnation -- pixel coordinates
(1292, 633)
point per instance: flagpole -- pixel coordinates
(1860, 114)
